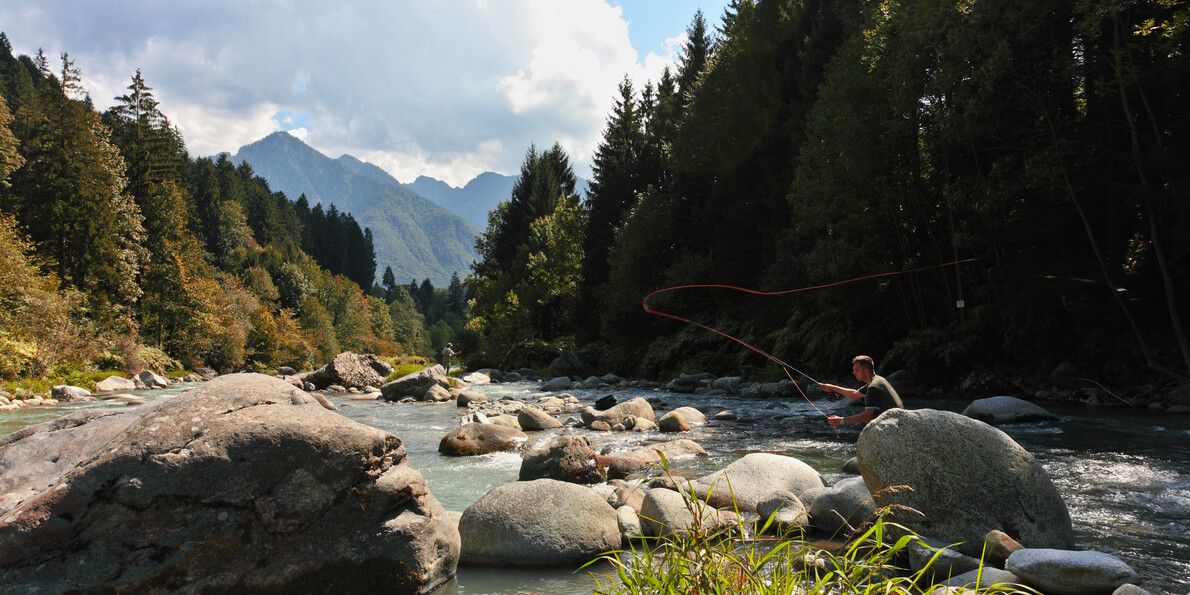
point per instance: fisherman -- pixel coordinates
(878, 395)
(447, 353)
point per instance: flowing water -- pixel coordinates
(1125, 475)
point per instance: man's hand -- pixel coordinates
(831, 395)
(834, 421)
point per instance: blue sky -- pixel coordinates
(445, 88)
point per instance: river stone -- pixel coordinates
(64, 393)
(605, 403)
(565, 458)
(1130, 589)
(725, 415)
(639, 458)
(415, 384)
(673, 422)
(754, 477)
(845, 503)
(468, 397)
(946, 561)
(692, 415)
(637, 407)
(664, 512)
(350, 370)
(541, 523)
(628, 494)
(508, 421)
(1006, 410)
(115, 383)
(966, 478)
(245, 484)
(480, 439)
(534, 419)
(851, 466)
(151, 380)
(786, 510)
(1065, 572)
(557, 383)
(629, 522)
(998, 546)
(436, 394)
(476, 378)
(987, 578)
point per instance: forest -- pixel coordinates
(119, 251)
(999, 184)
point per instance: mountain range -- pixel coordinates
(412, 234)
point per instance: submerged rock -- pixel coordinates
(244, 484)
(1006, 410)
(480, 439)
(1064, 572)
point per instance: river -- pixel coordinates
(1124, 474)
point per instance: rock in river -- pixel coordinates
(244, 484)
(966, 478)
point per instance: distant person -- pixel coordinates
(878, 395)
(447, 353)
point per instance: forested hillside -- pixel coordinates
(415, 237)
(119, 250)
(804, 143)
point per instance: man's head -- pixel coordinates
(864, 368)
(450, 344)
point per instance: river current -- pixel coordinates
(1124, 475)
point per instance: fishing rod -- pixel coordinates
(784, 366)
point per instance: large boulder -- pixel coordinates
(754, 477)
(415, 384)
(245, 484)
(665, 512)
(570, 364)
(565, 458)
(350, 370)
(637, 407)
(557, 383)
(152, 380)
(481, 439)
(1006, 410)
(541, 523)
(115, 383)
(1062, 572)
(965, 478)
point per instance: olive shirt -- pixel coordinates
(881, 395)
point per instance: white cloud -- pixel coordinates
(427, 87)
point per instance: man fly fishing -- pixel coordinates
(878, 395)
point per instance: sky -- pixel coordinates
(443, 88)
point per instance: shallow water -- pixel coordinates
(1125, 475)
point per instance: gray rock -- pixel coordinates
(351, 370)
(534, 419)
(944, 561)
(691, 415)
(558, 383)
(628, 494)
(152, 380)
(622, 465)
(851, 466)
(243, 484)
(466, 398)
(1130, 589)
(480, 439)
(570, 363)
(415, 384)
(65, 393)
(756, 476)
(638, 407)
(846, 503)
(538, 523)
(986, 578)
(725, 415)
(967, 478)
(629, 522)
(1065, 572)
(476, 378)
(664, 512)
(436, 394)
(786, 510)
(1006, 410)
(565, 458)
(115, 383)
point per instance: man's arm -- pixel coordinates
(850, 393)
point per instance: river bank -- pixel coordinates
(1124, 476)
